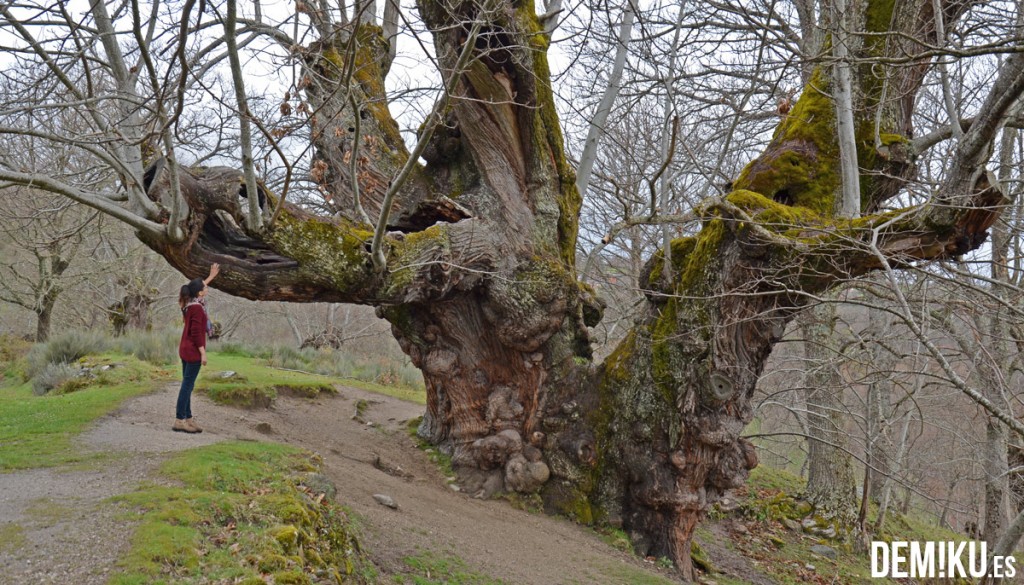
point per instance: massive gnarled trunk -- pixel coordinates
(480, 284)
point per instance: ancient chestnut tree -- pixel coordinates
(466, 244)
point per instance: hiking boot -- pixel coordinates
(180, 426)
(192, 426)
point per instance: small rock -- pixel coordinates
(829, 533)
(454, 487)
(809, 567)
(826, 551)
(227, 374)
(791, 524)
(728, 504)
(106, 367)
(320, 484)
(740, 528)
(384, 500)
(264, 428)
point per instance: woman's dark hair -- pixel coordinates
(190, 291)
(183, 297)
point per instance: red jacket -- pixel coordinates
(194, 335)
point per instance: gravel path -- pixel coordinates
(56, 528)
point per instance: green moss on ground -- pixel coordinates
(441, 460)
(769, 500)
(239, 510)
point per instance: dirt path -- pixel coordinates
(362, 458)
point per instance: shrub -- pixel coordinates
(65, 349)
(236, 348)
(12, 349)
(156, 347)
(243, 349)
(290, 358)
(53, 376)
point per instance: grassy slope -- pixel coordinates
(241, 510)
(37, 431)
(784, 555)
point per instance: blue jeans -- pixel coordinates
(189, 373)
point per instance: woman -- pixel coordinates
(192, 349)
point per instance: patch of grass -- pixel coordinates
(12, 351)
(624, 573)
(532, 503)
(772, 495)
(62, 378)
(241, 510)
(769, 478)
(156, 347)
(429, 568)
(381, 375)
(65, 348)
(379, 372)
(441, 460)
(616, 538)
(255, 384)
(12, 537)
(37, 431)
(408, 394)
(48, 512)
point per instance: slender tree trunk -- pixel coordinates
(890, 479)
(997, 493)
(905, 503)
(831, 486)
(953, 482)
(51, 268)
(44, 315)
(995, 458)
(879, 406)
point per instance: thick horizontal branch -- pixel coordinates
(809, 253)
(306, 258)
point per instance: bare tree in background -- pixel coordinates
(42, 251)
(472, 256)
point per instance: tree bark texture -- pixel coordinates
(480, 285)
(880, 449)
(831, 486)
(51, 268)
